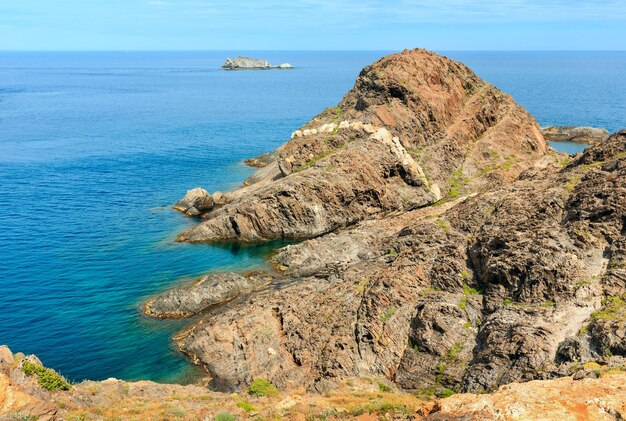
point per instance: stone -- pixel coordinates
(195, 202)
(204, 293)
(583, 134)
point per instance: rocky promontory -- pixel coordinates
(444, 245)
(247, 63)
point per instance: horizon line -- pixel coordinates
(306, 50)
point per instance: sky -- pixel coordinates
(128, 25)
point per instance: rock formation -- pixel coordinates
(588, 135)
(247, 63)
(415, 128)
(445, 246)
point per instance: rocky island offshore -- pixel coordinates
(247, 63)
(441, 247)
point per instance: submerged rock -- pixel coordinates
(247, 63)
(208, 291)
(588, 135)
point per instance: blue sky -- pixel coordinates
(312, 25)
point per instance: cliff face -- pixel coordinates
(415, 128)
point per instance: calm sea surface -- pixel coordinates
(96, 147)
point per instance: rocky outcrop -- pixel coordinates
(416, 127)
(512, 284)
(204, 293)
(588, 135)
(198, 201)
(247, 63)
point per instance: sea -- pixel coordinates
(95, 147)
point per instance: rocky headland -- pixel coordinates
(443, 244)
(440, 247)
(247, 63)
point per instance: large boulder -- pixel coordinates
(195, 202)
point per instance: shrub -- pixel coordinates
(262, 387)
(445, 393)
(246, 406)
(48, 378)
(383, 387)
(389, 313)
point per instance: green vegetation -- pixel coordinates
(20, 416)
(413, 344)
(337, 112)
(48, 378)
(467, 290)
(246, 406)
(614, 309)
(225, 416)
(507, 302)
(457, 180)
(383, 407)
(453, 352)
(463, 302)
(572, 183)
(262, 387)
(445, 393)
(441, 224)
(467, 325)
(390, 252)
(389, 313)
(383, 387)
(465, 275)
(361, 286)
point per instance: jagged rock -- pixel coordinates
(416, 127)
(246, 63)
(208, 291)
(588, 135)
(261, 161)
(195, 202)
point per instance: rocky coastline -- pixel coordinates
(582, 134)
(446, 264)
(442, 244)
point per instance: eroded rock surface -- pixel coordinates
(416, 127)
(509, 285)
(208, 291)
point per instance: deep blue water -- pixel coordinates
(95, 147)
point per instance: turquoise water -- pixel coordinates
(95, 147)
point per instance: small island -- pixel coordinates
(247, 63)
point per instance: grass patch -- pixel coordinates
(262, 387)
(467, 290)
(389, 313)
(507, 302)
(225, 416)
(48, 378)
(383, 387)
(453, 353)
(441, 224)
(246, 406)
(446, 393)
(614, 309)
(463, 302)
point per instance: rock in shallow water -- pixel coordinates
(208, 291)
(588, 135)
(195, 202)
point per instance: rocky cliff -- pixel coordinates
(445, 246)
